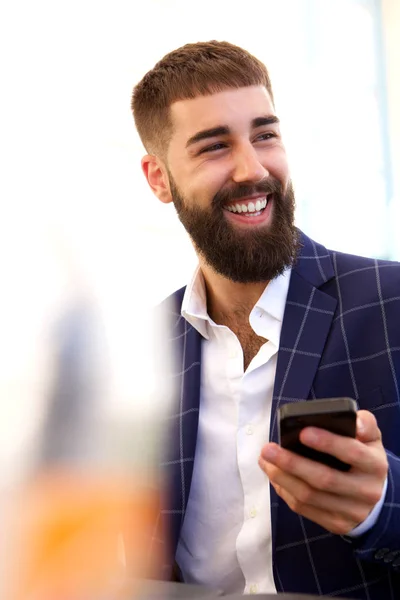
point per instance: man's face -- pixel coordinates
(229, 181)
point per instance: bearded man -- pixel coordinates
(270, 317)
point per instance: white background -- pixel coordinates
(77, 216)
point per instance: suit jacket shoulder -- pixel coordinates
(359, 277)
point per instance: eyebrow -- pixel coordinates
(224, 129)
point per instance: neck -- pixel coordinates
(228, 299)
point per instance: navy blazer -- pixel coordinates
(340, 337)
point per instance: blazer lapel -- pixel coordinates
(306, 324)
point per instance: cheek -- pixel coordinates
(204, 185)
(282, 174)
(198, 185)
(277, 165)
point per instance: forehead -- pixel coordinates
(235, 108)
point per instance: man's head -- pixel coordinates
(206, 116)
(193, 70)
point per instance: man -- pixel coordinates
(269, 317)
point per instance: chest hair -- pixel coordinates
(250, 342)
(238, 323)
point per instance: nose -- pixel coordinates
(247, 165)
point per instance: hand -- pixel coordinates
(335, 500)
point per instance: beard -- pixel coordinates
(243, 255)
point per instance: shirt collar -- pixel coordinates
(273, 299)
(194, 305)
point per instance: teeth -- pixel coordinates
(255, 214)
(251, 207)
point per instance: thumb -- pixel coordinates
(367, 429)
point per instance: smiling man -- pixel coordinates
(269, 317)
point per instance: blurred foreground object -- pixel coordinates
(66, 538)
(80, 507)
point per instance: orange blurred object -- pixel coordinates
(67, 528)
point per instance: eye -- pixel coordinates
(213, 148)
(263, 137)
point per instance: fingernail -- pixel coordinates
(310, 436)
(360, 425)
(270, 453)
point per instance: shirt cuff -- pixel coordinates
(372, 517)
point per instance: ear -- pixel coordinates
(157, 177)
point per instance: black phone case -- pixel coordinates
(341, 422)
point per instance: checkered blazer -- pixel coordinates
(340, 337)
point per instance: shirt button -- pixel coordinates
(233, 353)
(253, 512)
(253, 588)
(249, 430)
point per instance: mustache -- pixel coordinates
(268, 185)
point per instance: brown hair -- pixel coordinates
(193, 70)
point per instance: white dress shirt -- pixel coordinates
(225, 540)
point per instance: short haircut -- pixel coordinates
(193, 70)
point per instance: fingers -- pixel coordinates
(336, 500)
(368, 458)
(366, 487)
(367, 427)
(336, 523)
(302, 495)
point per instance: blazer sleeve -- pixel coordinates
(382, 542)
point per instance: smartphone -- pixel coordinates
(337, 415)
